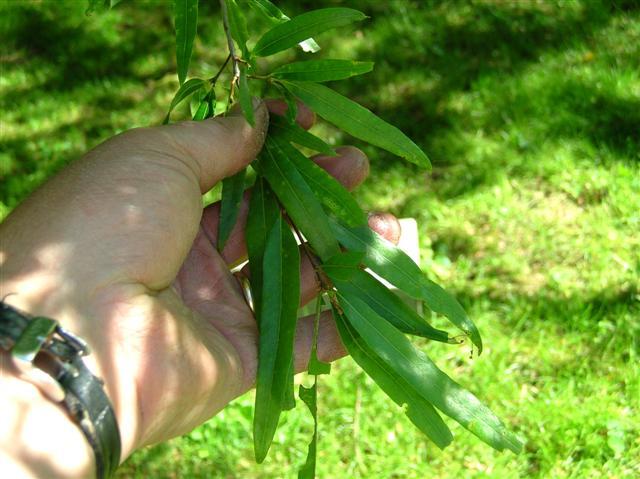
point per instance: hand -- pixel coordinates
(118, 248)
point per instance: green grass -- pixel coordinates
(530, 112)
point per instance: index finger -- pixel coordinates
(305, 117)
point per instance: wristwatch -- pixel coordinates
(39, 342)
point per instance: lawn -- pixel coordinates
(530, 113)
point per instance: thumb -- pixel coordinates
(218, 147)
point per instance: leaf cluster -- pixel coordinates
(295, 201)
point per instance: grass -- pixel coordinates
(530, 112)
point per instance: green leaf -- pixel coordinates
(205, 107)
(321, 70)
(420, 411)
(414, 367)
(281, 277)
(289, 395)
(202, 112)
(275, 16)
(187, 89)
(232, 189)
(268, 10)
(32, 338)
(245, 97)
(263, 212)
(238, 26)
(186, 22)
(310, 396)
(357, 120)
(297, 197)
(331, 193)
(292, 106)
(383, 301)
(288, 34)
(395, 266)
(294, 133)
(343, 266)
(315, 366)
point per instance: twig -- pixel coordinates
(214, 78)
(325, 283)
(232, 51)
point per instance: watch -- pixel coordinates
(39, 342)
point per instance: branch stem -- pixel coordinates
(214, 78)
(232, 51)
(326, 286)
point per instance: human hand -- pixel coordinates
(118, 248)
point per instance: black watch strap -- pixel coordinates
(26, 337)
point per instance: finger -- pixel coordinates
(208, 150)
(385, 224)
(350, 168)
(350, 173)
(330, 346)
(305, 117)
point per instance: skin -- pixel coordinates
(118, 248)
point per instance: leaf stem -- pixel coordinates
(214, 78)
(325, 283)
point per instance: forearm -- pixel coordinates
(37, 437)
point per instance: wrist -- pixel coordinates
(101, 362)
(37, 437)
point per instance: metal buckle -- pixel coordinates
(77, 344)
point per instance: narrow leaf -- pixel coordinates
(317, 367)
(321, 70)
(202, 112)
(288, 34)
(185, 91)
(420, 411)
(281, 277)
(186, 23)
(357, 120)
(232, 189)
(385, 302)
(395, 266)
(238, 26)
(245, 97)
(342, 267)
(331, 193)
(275, 16)
(411, 364)
(294, 133)
(268, 10)
(292, 107)
(263, 212)
(289, 394)
(297, 197)
(310, 396)
(205, 107)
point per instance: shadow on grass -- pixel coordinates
(82, 49)
(426, 53)
(608, 318)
